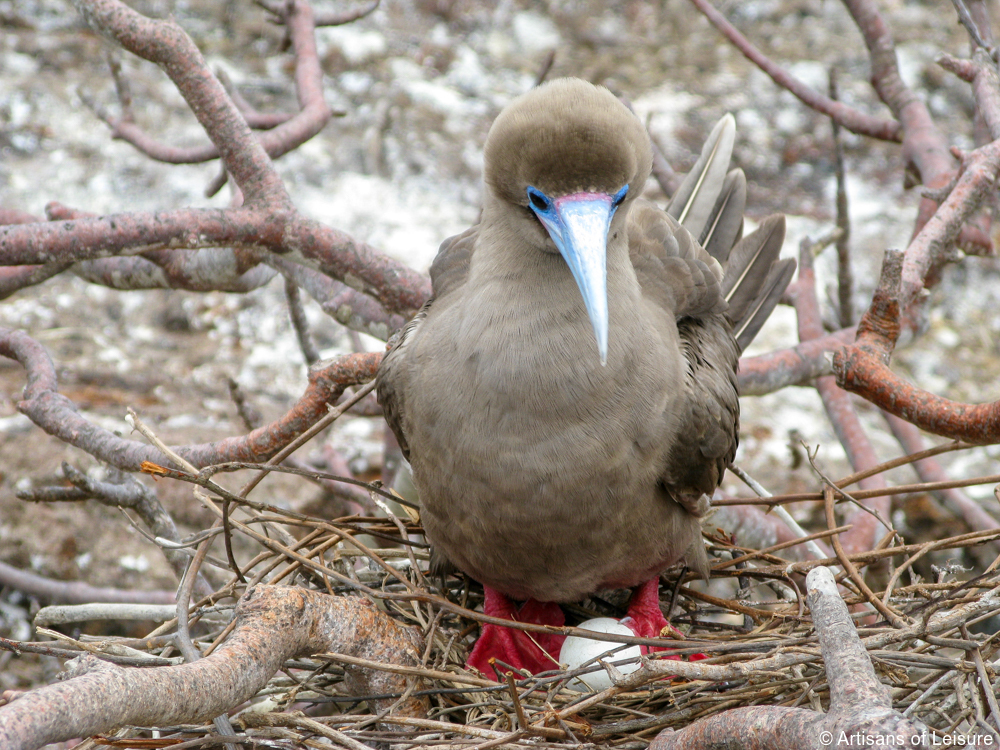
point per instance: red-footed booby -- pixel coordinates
(568, 400)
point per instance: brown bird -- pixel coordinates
(568, 398)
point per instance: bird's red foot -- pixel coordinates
(645, 618)
(534, 652)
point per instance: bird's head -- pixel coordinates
(563, 163)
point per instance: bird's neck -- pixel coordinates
(520, 296)
(508, 263)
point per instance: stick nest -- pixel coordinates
(752, 613)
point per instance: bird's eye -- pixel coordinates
(539, 201)
(617, 198)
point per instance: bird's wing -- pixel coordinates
(679, 256)
(683, 279)
(711, 343)
(448, 272)
(709, 188)
(673, 269)
(450, 268)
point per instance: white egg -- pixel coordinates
(576, 651)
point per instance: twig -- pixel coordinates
(309, 434)
(814, 548)
(845, 277)
(893, 617)
(853, 120)
(298, 315)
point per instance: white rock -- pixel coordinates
(356, 44)
(535, 33)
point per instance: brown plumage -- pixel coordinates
(542, 472)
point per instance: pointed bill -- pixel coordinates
(579, 226)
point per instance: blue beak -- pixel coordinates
(578, 224)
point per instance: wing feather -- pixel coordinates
(692, 260)
(449, 272)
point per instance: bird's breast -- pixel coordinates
(507, 391)
(526, 450)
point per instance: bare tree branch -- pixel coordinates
(273, 624)
(850, 118)
(860, 712)
(862, 369)
(58, 416)
(284, 136)
(76, 592)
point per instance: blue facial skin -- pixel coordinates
(578, 224)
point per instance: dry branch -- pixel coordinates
(865, 531)
(122, 491)
(273, 624)
(863, 369)
(267, 221)
(752, 663)
(929, 470)
(284, 136)
(925, 147)
(75, 592)
(796, 365)
(860, 713)
(850, 118)
(57, 415)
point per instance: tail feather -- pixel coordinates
(749, 264)
(694, 200)
(764, 303)
(755, 278)
(710, 204)
(725, 225)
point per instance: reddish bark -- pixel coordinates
(255, 119)
(929, 470)
(345, 305)
(58, 416)
(799, 364)
(862, 368)
(281, 230)
(224, 269)
(267, 221)
(850, 118)
(866, 530)
(924, 145)
(286, 135)
(16, 216)
(14, 278)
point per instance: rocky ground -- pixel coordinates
(419, 84)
